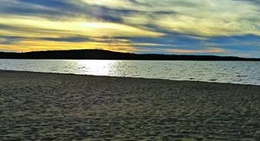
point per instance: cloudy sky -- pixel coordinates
(207, 27)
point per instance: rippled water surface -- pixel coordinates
(211, 71)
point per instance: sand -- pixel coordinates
(41, 106)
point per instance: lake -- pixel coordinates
(239, 72)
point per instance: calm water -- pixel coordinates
(210, 71)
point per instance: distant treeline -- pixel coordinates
(103, 54)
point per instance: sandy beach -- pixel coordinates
(41, 106)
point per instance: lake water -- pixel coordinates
(240, 72)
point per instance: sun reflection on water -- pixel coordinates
(97, 67)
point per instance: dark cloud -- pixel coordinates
(133, 1)
(253, 1)
(67, 39)
(32, 12)
(14, 39)
(164, 12)
(9, 40)
(53, 9)
(108, 14)
(48, 3)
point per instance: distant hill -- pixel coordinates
(103, 54)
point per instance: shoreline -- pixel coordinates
(214, 82)
(50, 106)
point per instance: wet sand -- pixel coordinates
(41, 106)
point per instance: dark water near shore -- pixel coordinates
(239, 72)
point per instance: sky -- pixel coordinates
(197, 27)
